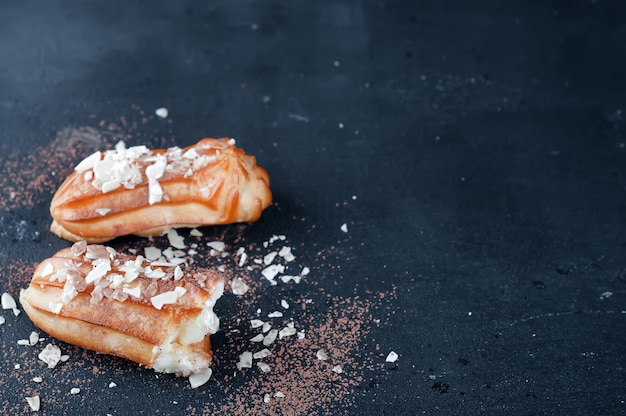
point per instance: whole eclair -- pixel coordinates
(150, 312)
(145, 192)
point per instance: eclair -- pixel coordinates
(145, 192)
(152, 312)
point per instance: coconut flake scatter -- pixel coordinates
(37, 379)
(7, 301)
(344, 227)
(337, 369)
(245, 360)
(261, 354)
(195, 232)
(275, 314)
(287, 331)
(286, 254)
(321, 355)
(263, 367)
(75, 390)
(392, 357)
(279, 394)
(238, 286)
(198, 379)
(34, 403)
(257, 338)
(255, 323)
(266, 398)
(270, 337)
(271, 271)
(175, 239)
(217, 245)
(50, 355)
(161, 112)
(284, 304)
(112, 384)
(33, 338)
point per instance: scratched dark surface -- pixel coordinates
(484, 142)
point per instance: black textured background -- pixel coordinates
(484, 141)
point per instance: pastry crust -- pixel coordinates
(125, 316)
(112, 194)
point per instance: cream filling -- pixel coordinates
(173, 356)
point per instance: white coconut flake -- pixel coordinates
(74, 390)
(23, 342)
(266, 327)
(238, 286)
(111, 185)
(7, 301)
(165, 298)
(286, 254)
(266, 398)
(34, 403)
(178, 273)
(55, 307)
(245, 360)
(261, 354)
(301, 334)
(98, 272)
(279, 394)
(263, 367)
(344, 227)
(50, 355)
(270, 337)
(134, 292)
(275, 314)
(2, 320)
(64, 358)
(269, 258)
(103, 211)
(161, 112)
(198, 379)
(242, 259)
(286, 332)
(195, 232)
(270, 272)
(284, 304)
(152, 253)
(337, 369)
(392, 357)
(112, 384)
(216, 245)
(321, 355)
(33, 338)
(88, 162)
(48, 269)
(305, 271)
(37, 379)
(255, 323)
(257, 338)
(175, 239)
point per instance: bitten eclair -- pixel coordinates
(150, 312)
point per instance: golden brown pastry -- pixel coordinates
(147, 311)
(140, 191)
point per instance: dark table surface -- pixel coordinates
(475, 151)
